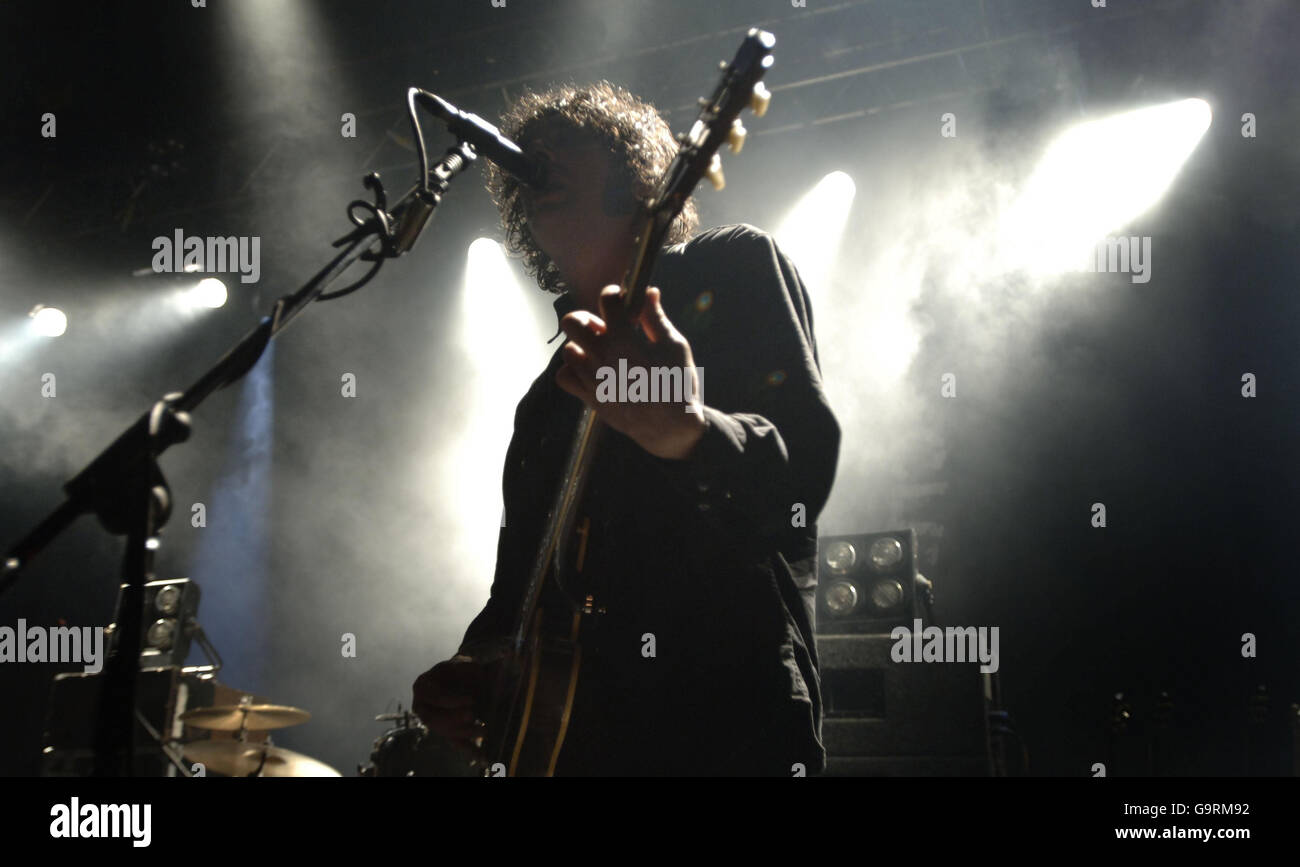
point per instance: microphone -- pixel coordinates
(486, 140)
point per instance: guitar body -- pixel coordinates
(533, 697)
(531, 704)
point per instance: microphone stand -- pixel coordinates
(124, 486)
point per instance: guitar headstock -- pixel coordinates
(740, 87)
(719, 121)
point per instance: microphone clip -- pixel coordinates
(398, 230)
(417, 208)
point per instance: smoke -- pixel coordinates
(921, 291)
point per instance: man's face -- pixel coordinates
(571, 217)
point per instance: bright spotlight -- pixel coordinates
(505, 348)
(1099, 176)
(486, 253)
(495, 302)
(48, 321)
(210, 292)
(810, 233)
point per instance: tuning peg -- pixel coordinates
(737, 136)
(760, 98)
(714, 173)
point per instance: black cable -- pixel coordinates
(349, 289)
(411, 93)
(382, 221)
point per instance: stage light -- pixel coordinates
(288, 43)
(886, 595)
(810, 233)
(1096, 178)
(235, 552)
(872, 593)
(168, 599)
(210, 292)
(159, 635)
(48, 321)
(495, 302)
(171, 608)
(183, 293)
(841, 597)
(886, 553)
(503, 332)
(840, 557)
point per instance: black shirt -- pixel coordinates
(704, 662)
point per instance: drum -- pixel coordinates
(408, 750)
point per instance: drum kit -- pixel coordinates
(406, 750)
(410, 750)
(241, 758)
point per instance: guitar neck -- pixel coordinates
(637, 278)
(582, 452)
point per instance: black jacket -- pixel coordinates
(708, 561)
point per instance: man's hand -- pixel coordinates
(666, 429)
(444, 701)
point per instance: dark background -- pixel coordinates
(357, 518)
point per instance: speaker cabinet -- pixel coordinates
(162, 695)
(887, 718)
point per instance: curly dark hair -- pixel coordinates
(637, 137)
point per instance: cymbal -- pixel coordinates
(235, 759)
(389, 717)
(253, 717)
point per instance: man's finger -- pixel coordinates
(584, 329)
(654, 321)
(612, 309)
(584, 319)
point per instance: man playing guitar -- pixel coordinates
(698, 528)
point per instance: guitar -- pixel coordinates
(533, 686)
